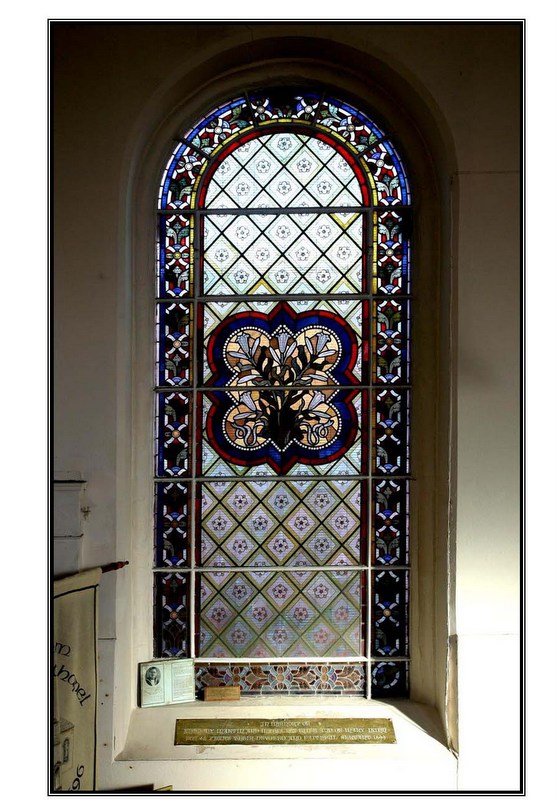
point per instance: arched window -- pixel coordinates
(282, 400)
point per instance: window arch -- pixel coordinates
(282, 399)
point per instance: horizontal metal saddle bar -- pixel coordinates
(278, 298)
(307, 660)
(277, 568)
(322, 210)
(294, 388)
(284, 478)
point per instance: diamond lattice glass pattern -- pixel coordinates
(283, 170)
(282, 432)
(265, 614)
(271, 523)
(283, 254)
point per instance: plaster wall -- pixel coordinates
(110, 84)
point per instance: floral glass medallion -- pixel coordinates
(283, 367)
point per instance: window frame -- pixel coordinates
(372, 210)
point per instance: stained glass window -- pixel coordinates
(282, 398)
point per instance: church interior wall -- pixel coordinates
(118, 92)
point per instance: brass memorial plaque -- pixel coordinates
(284, 731)
(221, 693)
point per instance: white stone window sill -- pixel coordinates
(417, 728)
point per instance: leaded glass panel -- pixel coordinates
(283, 105)
(283, 254)
(391, 522)
(282, 344)
(283, 170)
(282, 400)
(173, 434)
(297, 679)
(390, 678)
(387, 172)
(391, 432)
(392, 269)
(390, 611)
(174, 324)
(271, 523)
(286, 432)
(172, 504)
(390, 342)
(172, 613)
(300, 614)
(175, 256)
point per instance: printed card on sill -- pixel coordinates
(167, 682)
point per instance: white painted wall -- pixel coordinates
(113, 86)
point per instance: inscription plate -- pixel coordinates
(284, 731)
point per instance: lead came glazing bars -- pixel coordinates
(282, 465)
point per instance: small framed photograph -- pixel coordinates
(166, 682)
